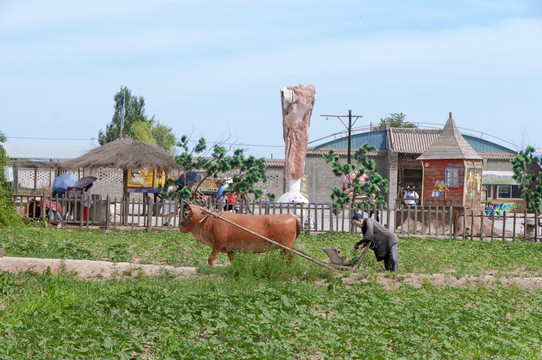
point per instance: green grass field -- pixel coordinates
(259, 308)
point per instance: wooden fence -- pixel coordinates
(434, 221)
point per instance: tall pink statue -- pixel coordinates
(297, 104)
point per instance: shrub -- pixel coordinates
(8, 214)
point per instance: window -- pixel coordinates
(451, 176)
(508, 192)
(516, 192)
(504, 192)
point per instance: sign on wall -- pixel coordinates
(145, 178)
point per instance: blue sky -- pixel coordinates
(215, 68)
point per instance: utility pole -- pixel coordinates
(348, 127)
(123, 111)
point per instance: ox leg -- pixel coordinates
(230, 256)
(212, 257)
(287, 255)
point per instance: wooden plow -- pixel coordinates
(338, 262)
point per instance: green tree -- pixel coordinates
(8, 214)
(394, 120)
(136, 123)
(134, 111)
(527, 167)
(246, 172)
(164, 138)
(373, 184)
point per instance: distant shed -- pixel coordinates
(452, 171)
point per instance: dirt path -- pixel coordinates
(89, 269)
(96, 270)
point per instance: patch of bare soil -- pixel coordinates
(89, 269)
(393, 281)
(97, 270)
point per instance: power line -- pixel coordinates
(93, 139)
(42, 138)
(348, 127)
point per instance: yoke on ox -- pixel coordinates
(225, 237)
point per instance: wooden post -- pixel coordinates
(436, 220)
(133, 211)
(514, 226)
(115, 211)
(408, 220)
(331, 217)
(465, 235)
(472, 223)
(81, 210)
(422, 208)
(342, 217)
(452, 227)
(525, 224)
(107, 212)
(149, 214)
(535, 226)
(482, 225)
(309, 218)
(503, 225)
(429, 223)
(492, 225)
(415, 220)
(316, 217)
(388, 219)
(87, 203)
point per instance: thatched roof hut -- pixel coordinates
(124, 154)
(31, 164)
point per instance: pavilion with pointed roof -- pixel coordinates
(452, 171)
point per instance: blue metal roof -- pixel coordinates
(378, 139)
(483, 146)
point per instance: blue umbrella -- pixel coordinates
(62, 182)
(191, 180)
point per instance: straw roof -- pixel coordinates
(450, 145)
(30, 164)
(124, 154)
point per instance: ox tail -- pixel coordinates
(297, 227)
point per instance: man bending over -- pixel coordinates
(381, 240)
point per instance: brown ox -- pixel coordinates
(227, 238)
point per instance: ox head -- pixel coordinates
(192, 214)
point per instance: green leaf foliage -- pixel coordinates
(137, 124)
(246, 172)
(527, 168)
(8, 214)
(133, 108)
(261, 308)
(374, 184)
(395, 120)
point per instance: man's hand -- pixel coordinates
(359, 245)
